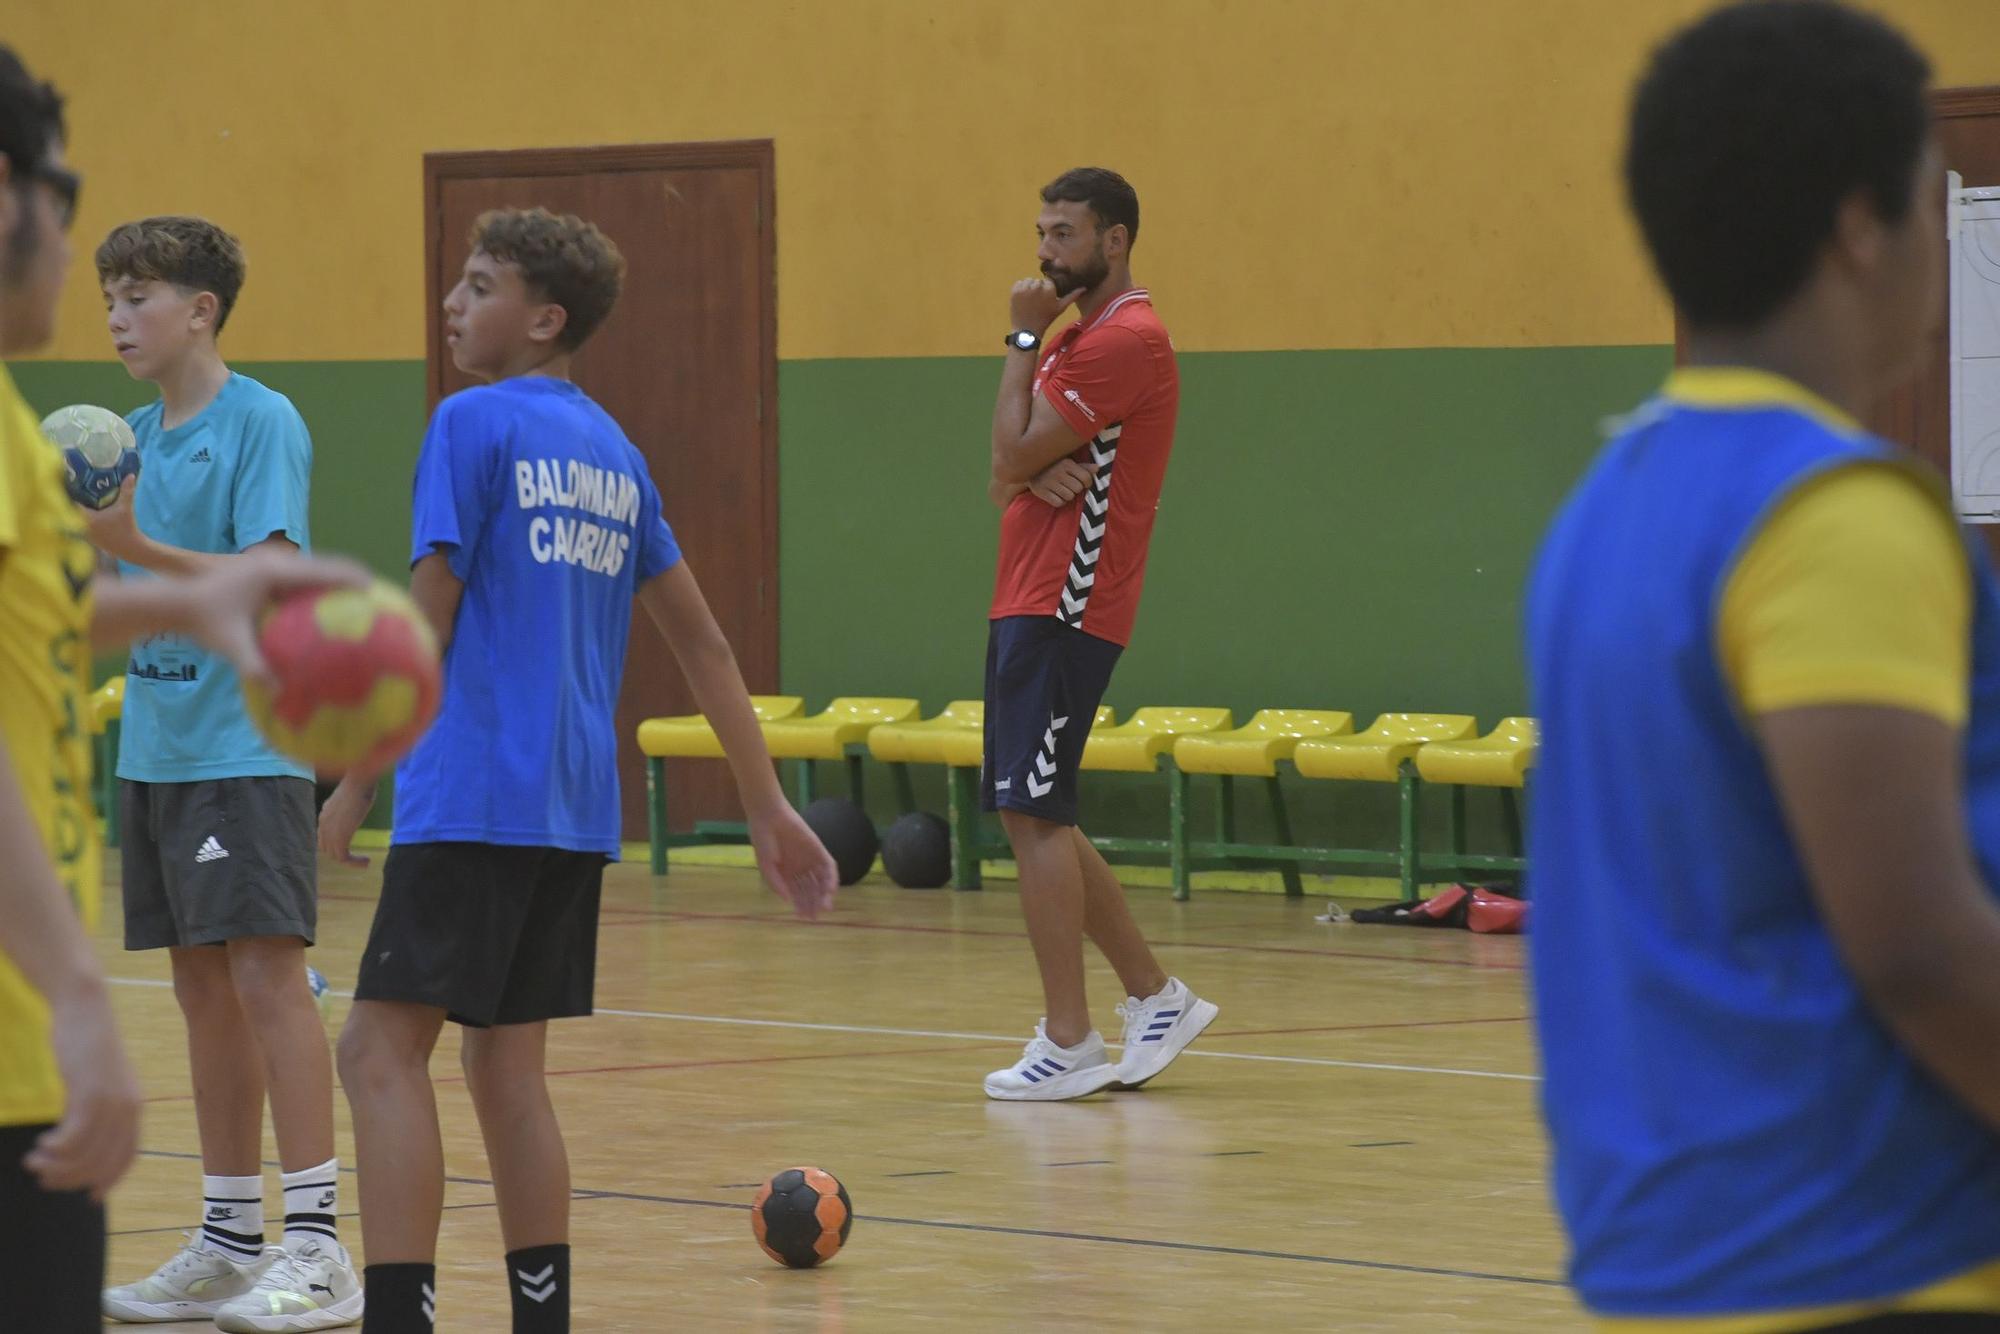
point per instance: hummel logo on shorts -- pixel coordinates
(210, 850)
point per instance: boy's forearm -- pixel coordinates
(129, 609)
(720, 695)
(175, 562)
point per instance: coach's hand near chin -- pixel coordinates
(1035, 303)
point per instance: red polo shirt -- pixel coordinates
(1114, 381)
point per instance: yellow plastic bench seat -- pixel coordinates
(1257, 746)
(1377, 754)
(689, 737)
(1501, 758)
(965, 749)
(826, 735)
(1135, 745)
(922, 742)
(107, 702)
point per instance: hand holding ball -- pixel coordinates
(98, 452)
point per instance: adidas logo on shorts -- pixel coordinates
(210, 850)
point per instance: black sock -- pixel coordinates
(401, 1299)
(538, 1276)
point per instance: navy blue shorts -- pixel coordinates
(1044, 682)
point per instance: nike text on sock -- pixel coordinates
(312, 1200)
(232, 1216)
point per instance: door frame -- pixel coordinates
(757, 154)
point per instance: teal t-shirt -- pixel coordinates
(233, 475)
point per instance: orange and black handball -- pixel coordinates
(801, 1217)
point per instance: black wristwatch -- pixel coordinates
(1024, 340)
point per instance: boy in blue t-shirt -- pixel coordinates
(535, 523)
(218, 845)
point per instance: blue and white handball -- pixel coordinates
(322, 991)
(98, 452)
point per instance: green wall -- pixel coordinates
(366, 418)
(1344, 529)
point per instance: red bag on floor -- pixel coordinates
(1495, 914)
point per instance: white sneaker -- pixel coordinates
(1157, 1028)
(192, 1285)
(310, 1285)
(1048, 1073)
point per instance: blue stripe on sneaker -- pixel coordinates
(1029, 1075)
(1055, 1067)
(1166, 1014)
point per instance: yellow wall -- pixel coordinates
(1314, 173)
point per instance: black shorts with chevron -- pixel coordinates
(1044, 682)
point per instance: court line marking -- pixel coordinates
(621, 916)
(1145, 1242)
(581, 1193)
(877, 1031)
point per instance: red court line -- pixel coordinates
(698, 1065)
(640, 917)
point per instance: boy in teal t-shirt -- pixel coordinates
(220, 831)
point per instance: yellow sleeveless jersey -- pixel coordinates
(45, 569)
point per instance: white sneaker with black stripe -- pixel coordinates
(193, 1285)
(1158, 1028)
(310, 1285)
(1048, 1073)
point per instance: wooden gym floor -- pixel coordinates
(1352, 1146)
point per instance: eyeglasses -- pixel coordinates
(66, 185)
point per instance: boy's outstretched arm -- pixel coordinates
(794, 862)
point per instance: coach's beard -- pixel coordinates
(1084, 280)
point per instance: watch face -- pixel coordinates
(1024, 340)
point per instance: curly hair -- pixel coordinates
(193, 254)
(1749, 129)
(563, 258)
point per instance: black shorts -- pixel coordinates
(51, 1247)
(219, 859)
(1044, 681)
(489, 934)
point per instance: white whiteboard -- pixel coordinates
(1974, 231)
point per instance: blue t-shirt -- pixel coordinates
(233, 475)
(545, 511)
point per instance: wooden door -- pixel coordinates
(686, 363)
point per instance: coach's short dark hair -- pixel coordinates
(1749, 129)
(30, 116)
(1109, 196)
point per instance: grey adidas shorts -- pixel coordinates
(219, 859)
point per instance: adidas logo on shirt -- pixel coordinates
(210, 850)
(201, 456)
